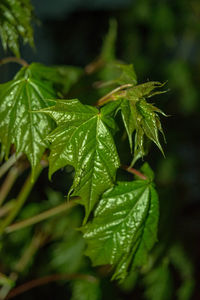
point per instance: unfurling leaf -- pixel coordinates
(142, 117)
(128, 119)
(149, 121)
(15, 22)
(124, 228)
(19, 126)
(83, 139)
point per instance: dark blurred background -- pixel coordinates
(162, 40)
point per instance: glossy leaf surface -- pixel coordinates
(83, 139)
(19, 126)
(124, 227)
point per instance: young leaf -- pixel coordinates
(83, 140)
(124, 228)
(128, 119)
(141, 117)
(19, 126)
(15, 21)
(149, 121)
(147, 89)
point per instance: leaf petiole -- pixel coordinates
(108, 96)
(13, 59)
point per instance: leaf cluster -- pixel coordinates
(120, 225)
(84, 138)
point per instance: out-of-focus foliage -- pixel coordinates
(15, 22)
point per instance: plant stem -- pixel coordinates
(47, 279)
(37, 241)
(4, 210)
(13, 59)
(6, 288)
(8, 183)
(27, 187)
(9, 163)
(108, 96)
(134, 171)
(40, 217)
(94, 66)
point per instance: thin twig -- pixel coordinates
(4, 210)
(41, 217)
(105, 98)
(134, 172)
(47, 279)
(94, 66)
(9, 163)
(13, 59)
(8, 183)
(4, 291)
(37, 242)
(21, 198)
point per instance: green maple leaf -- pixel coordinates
(124, 227)
(19, 126)
(84, 140)
(15, 21)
